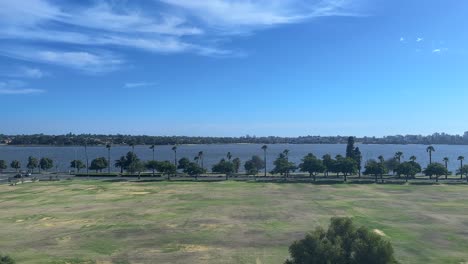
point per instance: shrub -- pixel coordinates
(4, 259)
(342, 243)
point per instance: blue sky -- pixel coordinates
(234, 67)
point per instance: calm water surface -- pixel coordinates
(213, 153)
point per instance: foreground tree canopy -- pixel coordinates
(342, 243)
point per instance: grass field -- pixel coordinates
(223, 222)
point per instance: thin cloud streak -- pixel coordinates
(7, 91)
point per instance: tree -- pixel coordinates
(201, 158)
(350, 148)
(167, 168)
(382, 163)
(77, 164)
(135, 166)
(193, 169)
(347, 166)
(398, 156)
(132, 145)
(358, 159)
(328, 163)
(15, 165)
(375, 168)
(282, 165)
(463, 171)
(392, 164)
(435, 169)
(461, 158)
(108, 147)
(4, 259)
(3, 166)
(32, 163)
(429, 150)
(412, 158)
(254, 165)
(312, 165)
(229, 156)
(446, 160)
(264, 148)
(409, 169)
(223, 167)
(342, 243)
(184, 163)
(151, 165)
(99, 164)
(46, 164)
(152, 147)
(174, 148)
(121, 163)
(237, 164)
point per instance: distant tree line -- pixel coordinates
(90, 139)
(350, 164)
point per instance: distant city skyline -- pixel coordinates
(234, 67)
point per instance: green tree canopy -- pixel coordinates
(15, 165)
(99, 164)
(375, 168)
(184, 163)
(3, 165)
(32, 163)
(408, 168)
(254, 165)
(282, 165)
(223, 167)
(435, 169)
(46, 164)
(312, 165)
(166, 167)
(342, 243)
(77, 164)
(4, 259)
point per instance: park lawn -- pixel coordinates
(220, 222)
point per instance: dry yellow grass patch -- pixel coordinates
(379, 232)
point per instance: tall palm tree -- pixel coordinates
(132, 145)
(264, 148)
(200, 157)
(121, 163)
(152, 147)
(398, 156)
(229, 156)
(461, 158)
(87, 159)
(429, 150)
(174, 148)
(286, 155)
(412, 158)
(446, 160)
(108, 147)
(382, 161)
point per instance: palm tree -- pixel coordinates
(461, 158)
(430, 149)
(229, 156)
(87, 159)
(412, 158)
(382, 161)
(398, 156)
(121, 163)
(108, 147)
(132, 145)
(446, 160)
(152, 148)
(174, 148)
(264, 148)
(200, 157)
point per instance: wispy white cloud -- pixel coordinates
(419, 39)
(90, 62)
(402, 39)
(15, 87)
(139, 85)
(240, 16)
(159, 26)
